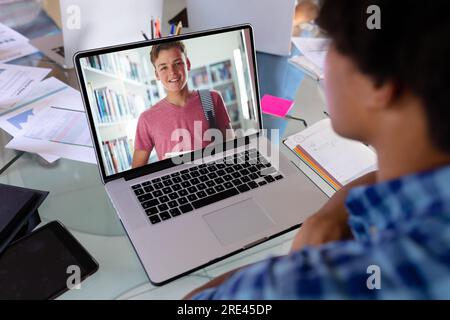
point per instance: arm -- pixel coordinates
(140, 158)
(143, 145)
(212, 283)
(342, 270)
(222, 117)
(330, 223)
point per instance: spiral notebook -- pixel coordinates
(335, 159)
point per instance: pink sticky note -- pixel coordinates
(276, 106)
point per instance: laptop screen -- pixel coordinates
(156, 100)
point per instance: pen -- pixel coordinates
(172, 29)
(151, 29)
(144, 35)
(157, 28)
(295, 118)
(179, 26)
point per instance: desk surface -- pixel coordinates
(77, 197)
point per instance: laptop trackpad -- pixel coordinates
(238, 221)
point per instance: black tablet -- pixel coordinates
(44, 264)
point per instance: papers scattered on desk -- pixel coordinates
(10, 38)
(312, 60)
(16, 52)
(335, 159)
(51, 122)
(67, 136)
(45, 117)
(16, 82)
(13, 45)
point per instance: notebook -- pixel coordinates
(336, 160)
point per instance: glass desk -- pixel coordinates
(77, 197)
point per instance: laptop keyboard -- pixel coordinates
(181, 192)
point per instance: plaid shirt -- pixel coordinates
(401, 226)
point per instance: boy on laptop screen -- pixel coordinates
(181, 111)
(157, 101)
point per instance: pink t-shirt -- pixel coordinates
(157, 125)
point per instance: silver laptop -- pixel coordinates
(187, 209)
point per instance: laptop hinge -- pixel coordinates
(168, 163)
(147, 170)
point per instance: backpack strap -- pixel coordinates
(208, 107)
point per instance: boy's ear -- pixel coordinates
(188, 64)
(384, 94)
(156, 75)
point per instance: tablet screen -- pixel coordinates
(36, 267)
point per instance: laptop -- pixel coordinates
(186, 210)
(271, 20)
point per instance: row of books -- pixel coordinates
(221, 72)
(199, 77)
(116, 64)
(117, 155)
(113, 106)
(228, 93)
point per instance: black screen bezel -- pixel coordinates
(166, 163)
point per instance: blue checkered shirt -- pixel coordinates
(402, 227)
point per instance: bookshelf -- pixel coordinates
(219, 76)
(120, 87)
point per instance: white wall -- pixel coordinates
(216, 48)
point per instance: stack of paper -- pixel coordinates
(50, 121)
(335, 159)
(13, 45)
(44, 117)
(312, 60)
(16, 82)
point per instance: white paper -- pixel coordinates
(314, 52)
(51, 122)
(49, 91)
(58, 132)
(56, 150)
(344, 159)
(10, 38)
(16, 82)
(308, 67)
(16, 52)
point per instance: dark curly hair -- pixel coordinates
(412, 49)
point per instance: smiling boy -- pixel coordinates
(181, 110)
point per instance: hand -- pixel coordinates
(330, 223)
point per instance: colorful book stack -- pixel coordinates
(115, 64)
(117, 154)
(228, 93)
(221, 71)
(199, 77)
(113, 106)
(335, 159)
